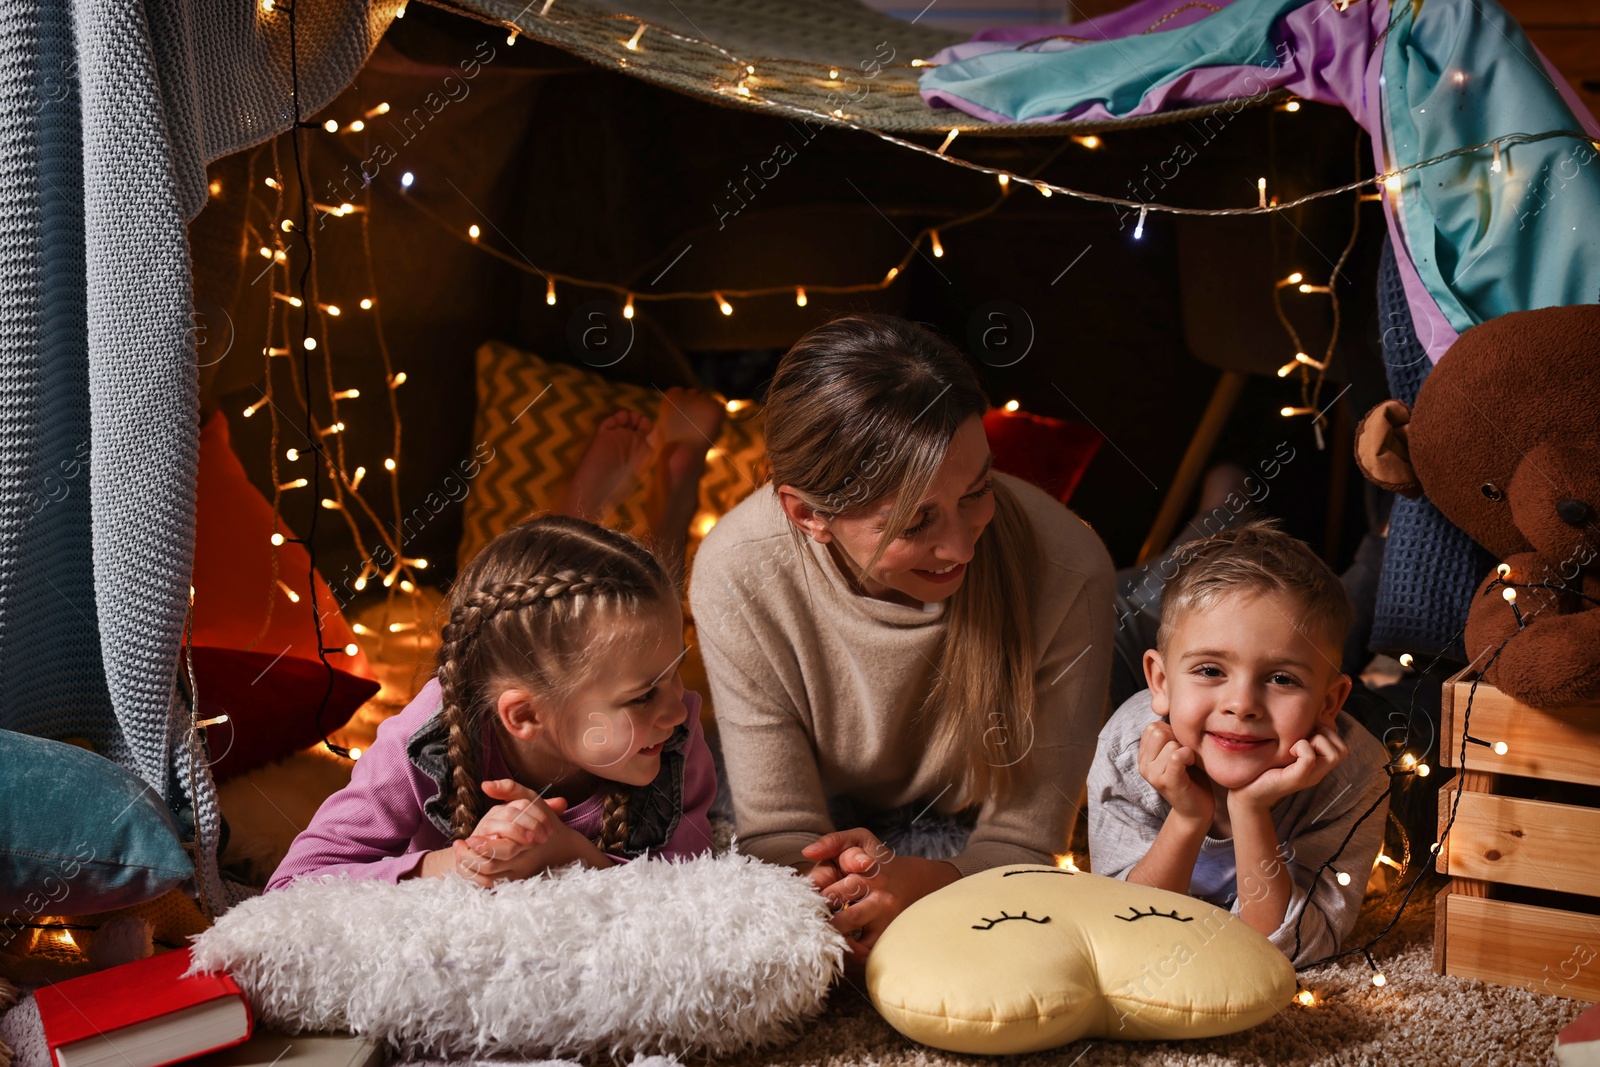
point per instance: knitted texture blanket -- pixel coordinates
(109, 114)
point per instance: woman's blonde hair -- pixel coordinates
(863, 408)
(522, 613)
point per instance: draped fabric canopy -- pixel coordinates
(109, 114)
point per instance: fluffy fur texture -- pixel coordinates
(715, 954)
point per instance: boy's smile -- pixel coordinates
(1240, 684)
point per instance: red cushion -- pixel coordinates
(1050, 453)
(271, 704)
(233, 576)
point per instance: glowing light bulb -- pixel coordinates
(1408, 760)
(1305, 998)
(1379, 980)
(355, 753)
(1343, 878)
(833, 73)
(473, 231)
(1296, 278)
(1044, 190)
(1510, 595)
(352, 649)
(271, 183)
(407, 585)
(388, 464)
(1261, 191)
(1406, 660)
(310, 343)
(1004, 180)
(1393, 182)
(286, 225)
(355, 481)
(398, 379)
(1501, 748)
(332, 309)
(366, 304)
(1292, 106)
(511, 38)
(357, 126)
(949, 138)
(1504, 570)
(722, 305)
(1013, 405)
(294, 598)
(1138, 229)
(298, 483)
(331, 126)
(406, 179)
(1494, 168)
(253, 408)
(894, 272)
(277, 539)
(627, 309)
(1285, 370)
(632, 43)
(360, 584)
(1066, 862)
(1090, 142)
(938, 249)
(550, 292)
(215, 188)
(734, 406)
(800, 296)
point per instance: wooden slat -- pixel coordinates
(1524, 842)
(1539, 949)
(1472, 782)
(1559, 744)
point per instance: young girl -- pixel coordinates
(557, 729)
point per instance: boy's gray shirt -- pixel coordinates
(1126, 813)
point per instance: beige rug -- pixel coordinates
(1417, 1019)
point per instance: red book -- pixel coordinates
(142, 1014)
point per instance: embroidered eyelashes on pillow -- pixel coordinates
(1023, 958)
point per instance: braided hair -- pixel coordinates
(520, 613)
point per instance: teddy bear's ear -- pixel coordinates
(1383, 450)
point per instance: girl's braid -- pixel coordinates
(614, 823)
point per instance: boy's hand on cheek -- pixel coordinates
(1170, 768)
(1314, 757)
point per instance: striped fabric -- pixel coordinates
(539, 417)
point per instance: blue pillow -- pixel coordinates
(78, 834)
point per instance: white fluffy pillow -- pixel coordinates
(715, 954)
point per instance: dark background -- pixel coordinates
(591, 173)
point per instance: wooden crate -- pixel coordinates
(1504, 844)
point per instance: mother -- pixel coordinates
(892, 622)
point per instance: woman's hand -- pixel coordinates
(868, 885)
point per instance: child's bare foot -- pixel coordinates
(688, 415)
(620, 451)
(675, 497)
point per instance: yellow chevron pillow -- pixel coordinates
(539, 417)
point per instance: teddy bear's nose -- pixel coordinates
(1574, 512)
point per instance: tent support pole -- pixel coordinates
(1223, 398)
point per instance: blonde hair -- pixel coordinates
(1257, 555)
(522, 613)
(862, 408)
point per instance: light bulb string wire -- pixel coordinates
(412, 200)
(1444, 833)
(317, 446)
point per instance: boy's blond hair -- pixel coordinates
(1258, 556)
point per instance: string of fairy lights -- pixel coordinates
(747, 85)
(749, 81)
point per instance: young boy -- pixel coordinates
(1236, 775)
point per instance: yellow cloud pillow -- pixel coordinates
(1023, 958)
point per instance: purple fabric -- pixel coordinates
(375, 826)
(1330, 57)
(1124, 22)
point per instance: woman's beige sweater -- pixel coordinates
(815, 687)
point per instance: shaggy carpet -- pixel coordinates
(1417, 1018)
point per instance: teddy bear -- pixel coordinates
(1504, 438)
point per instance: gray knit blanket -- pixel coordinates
(109, 113)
